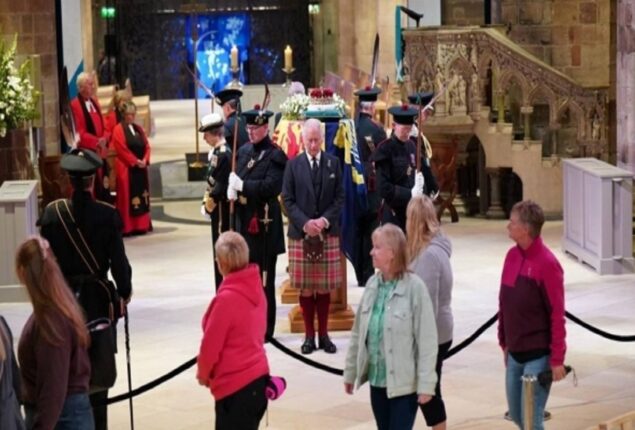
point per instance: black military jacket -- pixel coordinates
(395, 162)
(368, 129)
(261, 167)
(229, 130)
(218, 171)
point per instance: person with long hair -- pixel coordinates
(10, 387)
(394, 338)
(429, 252)
(53, 348)
(232, 361)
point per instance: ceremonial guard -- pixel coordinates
(256, 184)
(396, 163)
(370, 134)
(215, 203)
(313, 196)
(91, 128)
(85, 236)
(420, 102)
(229, 100)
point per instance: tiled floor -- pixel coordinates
(173, 284)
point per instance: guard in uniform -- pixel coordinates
(215, 204)
(229, 100)
(100, 226)
(395, 163)
(256, 184)
(370, 134)
(420, 101)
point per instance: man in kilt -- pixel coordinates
(313, 196)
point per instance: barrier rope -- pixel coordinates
(339, 372)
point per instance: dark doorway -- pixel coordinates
(472, 179)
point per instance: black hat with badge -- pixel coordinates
(227, 94)
(421, 98)
(256, 116)
(403, 114)
(368, 94)
(81, 162)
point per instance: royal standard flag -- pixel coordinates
(341, 140)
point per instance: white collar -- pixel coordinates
(317, 157)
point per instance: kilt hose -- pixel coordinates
(324, 275)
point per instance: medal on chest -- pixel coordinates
(252, 160)
(214, 160)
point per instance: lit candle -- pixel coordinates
(234, 58)
(288, 58)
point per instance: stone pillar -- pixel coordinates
(625, 85)
(495, 12)
(495, 209)
(527, 111)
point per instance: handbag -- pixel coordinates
(102, 353)
(313, 248)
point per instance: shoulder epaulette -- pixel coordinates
(54, 202)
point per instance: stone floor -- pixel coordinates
(173, 278)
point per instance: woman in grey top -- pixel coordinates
(429, 253)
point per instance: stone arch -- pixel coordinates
(546, 93)
(577, 112)
(486, 61)
(508, 78)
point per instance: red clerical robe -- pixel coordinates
(134, 210)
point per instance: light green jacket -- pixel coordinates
(410, 339)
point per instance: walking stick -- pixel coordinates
(127, 333)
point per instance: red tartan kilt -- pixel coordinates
(324, 275)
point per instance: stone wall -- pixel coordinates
(462, 12)
(34, 22)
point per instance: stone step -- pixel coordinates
(174, 183)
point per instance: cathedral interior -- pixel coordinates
(525, 88)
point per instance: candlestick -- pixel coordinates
(288, 58)
(288, 73)
(234, 57)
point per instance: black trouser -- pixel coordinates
(270, 292)
(434, 410)
(244, 409)
(216, 231)
(366, 224)
(100, 410)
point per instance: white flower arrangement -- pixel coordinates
(340, 103)
(293, 107)
(17, 95)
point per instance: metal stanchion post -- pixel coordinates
(529, 384)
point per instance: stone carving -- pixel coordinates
(595, 128)
(447, 51)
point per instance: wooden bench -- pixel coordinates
(622, 422)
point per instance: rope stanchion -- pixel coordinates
(150, 385)
(599, 332)
(473, 337)
(339, 372)
(303, 359)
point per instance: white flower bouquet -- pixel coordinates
(17, 95)
(293, 107)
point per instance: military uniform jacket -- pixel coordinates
(395, 163)
(217, 176)
(368, 129)
(229, 131)
(261, 167)
(101, 227)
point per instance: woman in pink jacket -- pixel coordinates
(232, 360)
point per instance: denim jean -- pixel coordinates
(514, 388)
(76, 414)
(398, 413)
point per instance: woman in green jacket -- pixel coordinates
(394, 338)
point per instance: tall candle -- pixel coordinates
(234, 57)
(288, 58)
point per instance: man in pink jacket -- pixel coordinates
(232, 360)
(531, 316)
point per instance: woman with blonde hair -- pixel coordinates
(52, 350)
(232, 361)
(429, 252)
(394, 338)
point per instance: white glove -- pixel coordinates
(417, 190)
(204, 213)
(231, 193)
(235, 182)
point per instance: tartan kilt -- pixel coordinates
(324, 275)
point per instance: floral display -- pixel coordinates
(294, 107)
(17, 95)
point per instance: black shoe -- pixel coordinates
(308, 346)
(325, 343)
